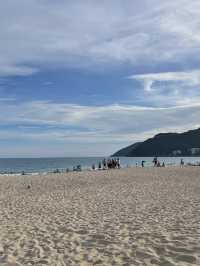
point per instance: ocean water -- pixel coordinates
(44, 165)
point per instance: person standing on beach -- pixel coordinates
(155, 161)
(104, 163)
(182, 162)
(118, 163)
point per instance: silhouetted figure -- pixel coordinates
(79, 168)
(104, 164)
(142, 164)
(109, 163)
(118, 163)
(155, 161)
(57, 171)
(182, 162)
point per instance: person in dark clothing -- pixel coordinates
(104, 163)
(155, 161)
(182, 162)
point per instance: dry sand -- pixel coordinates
(118, 217)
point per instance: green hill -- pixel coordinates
(165, 144)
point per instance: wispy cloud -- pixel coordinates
(7, 99)
(159, 39)
(189, 78)
(41, 34)
(113, 123)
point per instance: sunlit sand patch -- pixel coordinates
(126, 217)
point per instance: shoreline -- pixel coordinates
(65, 171)
(54, 165)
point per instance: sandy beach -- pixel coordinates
(131, 216)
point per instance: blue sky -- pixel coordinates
(86, 78)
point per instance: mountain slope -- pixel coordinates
(166, 144)
(127, 150)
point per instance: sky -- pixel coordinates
(86, 78)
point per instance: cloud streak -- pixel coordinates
(75, 123)
(189, 78)
(158, 41)
(36, 35)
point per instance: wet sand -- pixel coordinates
(132, 216)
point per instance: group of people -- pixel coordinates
(114, 163)
(110, 163)
(156, 163)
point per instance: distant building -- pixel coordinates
(176, 152)
(194, 151)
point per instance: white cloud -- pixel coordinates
(190, 78)
(93, 124)
(16, 70)
(41, 34)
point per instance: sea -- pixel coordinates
(13, 166)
